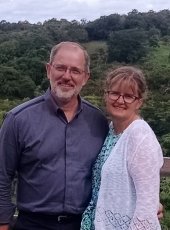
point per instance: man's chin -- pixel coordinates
(64, 96)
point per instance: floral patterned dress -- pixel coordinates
(89, 214)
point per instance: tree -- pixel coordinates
(165, 140)
(65, 30)
(101, 28)
(154, 37)
(13, 84)
(8, 50)
(135, 19)
(127, 45)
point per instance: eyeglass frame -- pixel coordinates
(70, 68)
(123, 96)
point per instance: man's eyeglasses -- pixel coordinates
(74, 71)
(128, 98)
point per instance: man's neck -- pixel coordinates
(69, 107)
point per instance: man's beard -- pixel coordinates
(65, 96)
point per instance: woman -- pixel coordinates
(126, 175)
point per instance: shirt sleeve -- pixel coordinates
(144, 169)
(8, 162)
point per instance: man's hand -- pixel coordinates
(160, 213)
(4, 227)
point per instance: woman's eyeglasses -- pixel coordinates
(128, 98)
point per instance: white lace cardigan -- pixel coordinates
(130, 182)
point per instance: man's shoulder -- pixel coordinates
(96, 117)
(27, 105)
(91, 106)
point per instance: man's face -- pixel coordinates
(67, 73)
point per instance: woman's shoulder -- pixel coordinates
(139, 130)
(140, 126)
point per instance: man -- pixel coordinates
(52, 142)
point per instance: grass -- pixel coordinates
(160, 56)
(93, 46)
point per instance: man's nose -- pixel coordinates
(67, 74)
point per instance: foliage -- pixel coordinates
(98, 57)
(127, 46)
(101, 28)
(12, 84)
(154, 37)
(65, 30)
(157, 108)
(25, 47)
(165, 140)
(165, 200)
(95, 100)
(6, 105)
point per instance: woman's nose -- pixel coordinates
(121, 99)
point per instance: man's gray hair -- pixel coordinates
(56, 48)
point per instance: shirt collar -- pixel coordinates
(52, 104)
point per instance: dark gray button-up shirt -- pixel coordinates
(53, 157)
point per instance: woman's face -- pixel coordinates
(122, 102)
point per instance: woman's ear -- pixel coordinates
(140, 103)
(105, 97)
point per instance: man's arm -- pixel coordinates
(8, 162)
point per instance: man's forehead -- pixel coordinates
(71, 47)
(70, 50)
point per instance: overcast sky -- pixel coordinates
(40, 10)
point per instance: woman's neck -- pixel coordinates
(120, 125)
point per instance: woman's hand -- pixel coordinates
(160, 213)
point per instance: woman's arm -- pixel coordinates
(145, 172)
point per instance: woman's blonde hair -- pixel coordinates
(132, 76)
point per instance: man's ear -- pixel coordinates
(86, 78)
(48, 69)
